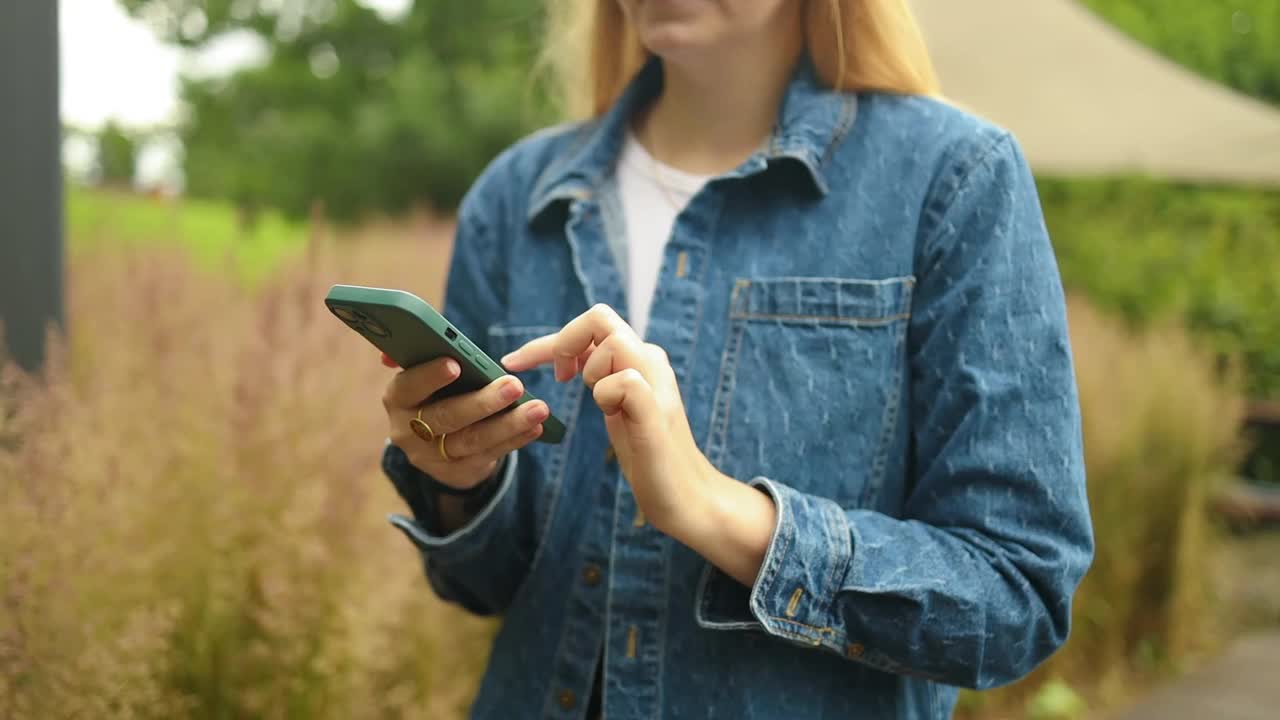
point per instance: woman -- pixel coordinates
(806, 329)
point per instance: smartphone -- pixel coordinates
(411, 332)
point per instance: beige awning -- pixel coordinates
(1085, 99)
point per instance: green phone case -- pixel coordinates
(411, 332)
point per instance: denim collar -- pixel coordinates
(811, 122)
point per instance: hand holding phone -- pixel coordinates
(475, 428)
(468, 411)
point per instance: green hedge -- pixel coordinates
(1151, 250)
(1236, 43)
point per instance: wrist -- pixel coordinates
(455, 508)
(693, 517)
(469, 488)
(730, 524)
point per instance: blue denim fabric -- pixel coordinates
(867, 323)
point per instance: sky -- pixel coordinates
(114, 67)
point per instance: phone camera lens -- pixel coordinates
(373, 327)
(346, 314)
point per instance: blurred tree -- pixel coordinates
(117, 155)
(365, 114)
(351, 110)
(1231, 42)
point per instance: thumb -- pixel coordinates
(627, 394)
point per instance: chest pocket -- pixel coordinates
(810, 383)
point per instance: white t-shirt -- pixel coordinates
(652, 195)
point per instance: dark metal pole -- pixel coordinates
(30, 178)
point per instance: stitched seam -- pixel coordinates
(558, 461)
(820, 630)
(842, 537)
(833, 556)
(875, 311)
(661, 640)
(700, 600)
(565, 629)
(731, 385)
(775, 561)
(703, 602)
(544, 191)
(426, 544)
(889, 420)
(702, 274)
(961, 175)
(771, 558)
(608, 595)
(891, 411)
(848, 112)
(903, 279)
(830, 319)
(714, 432)
(735, 625)
(876, 664)
(575, 253)
(575, 395)
(614, 230)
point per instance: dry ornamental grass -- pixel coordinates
(191, 513)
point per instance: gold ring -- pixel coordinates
(421, 428)
(443, 453)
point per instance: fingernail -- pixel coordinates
(506, 358)
(537, 413)
(511, 390)
(451, 366)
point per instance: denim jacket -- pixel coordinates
(867, 324)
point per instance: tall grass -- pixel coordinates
(1162, 426)
(191, 518)
(1162, 431)
(191, 515)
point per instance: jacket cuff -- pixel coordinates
(466, 541)
(794, 594)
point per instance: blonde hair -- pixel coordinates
(592, 52)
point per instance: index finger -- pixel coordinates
(537, 351)
(574, 339)
(411, 386)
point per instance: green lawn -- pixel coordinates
(209, 230)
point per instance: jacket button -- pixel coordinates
(610, 455)
(591, 575)
(567, 699)
(854, 650)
